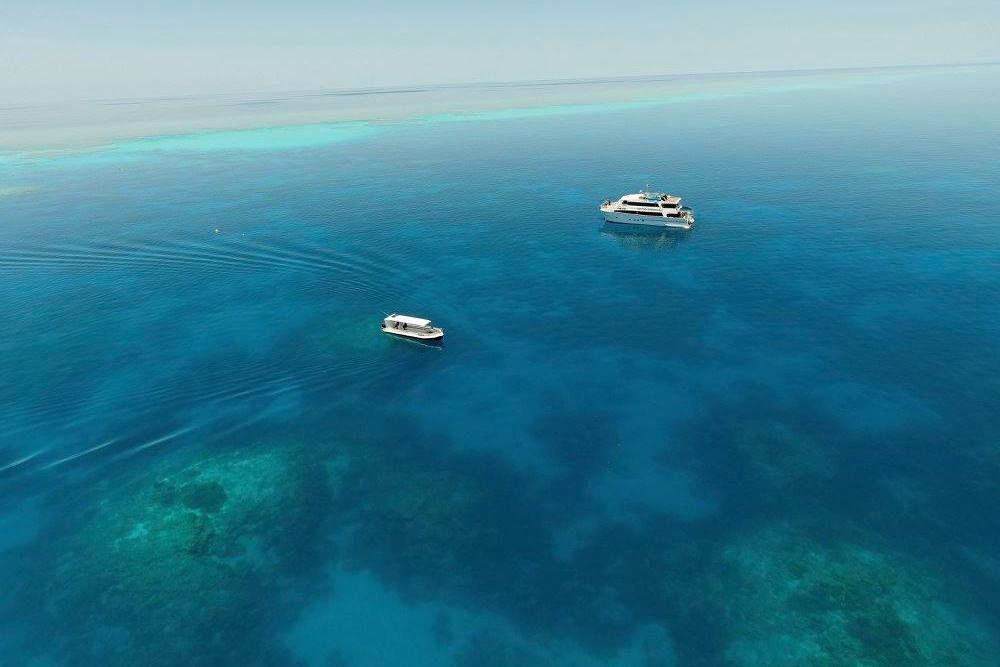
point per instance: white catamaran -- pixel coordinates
(648, 208)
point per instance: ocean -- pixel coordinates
(773, 439)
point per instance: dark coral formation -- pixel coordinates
(791, 598)
(183, 565)
(430, 525)
(778, 458)
(485, 649)
(470, 530)
(192, 562)
(762, 463)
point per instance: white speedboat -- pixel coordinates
(411, 327)
(648, 208)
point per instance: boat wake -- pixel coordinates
(333, 351)
(221, 407)
(355, 271)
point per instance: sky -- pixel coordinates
(101, 49)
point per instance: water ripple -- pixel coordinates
(348, 272)
(347, 360)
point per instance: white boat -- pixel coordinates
(648, 208)
(411, 327)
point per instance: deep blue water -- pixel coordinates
(770, 440)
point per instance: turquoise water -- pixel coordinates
(770, 440)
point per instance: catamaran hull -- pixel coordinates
(647, 220)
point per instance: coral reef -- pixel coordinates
(761, 460)
(980, 471)
(791, 598)
(486, 649)
(182, 565)
(466, 529)
(430, 522)
(780, 458)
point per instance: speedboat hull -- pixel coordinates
(426, 336)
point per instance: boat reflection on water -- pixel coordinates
(656, 239)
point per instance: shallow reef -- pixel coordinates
(206, 560)
(790, 597)
(487, 650)
(467, 529)
(430, 523)
(780, 458)
(184, 564)
(763, 460)
(980, 470)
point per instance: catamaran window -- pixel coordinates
(665, 205)
(641, 203)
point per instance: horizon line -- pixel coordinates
(511, 83)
